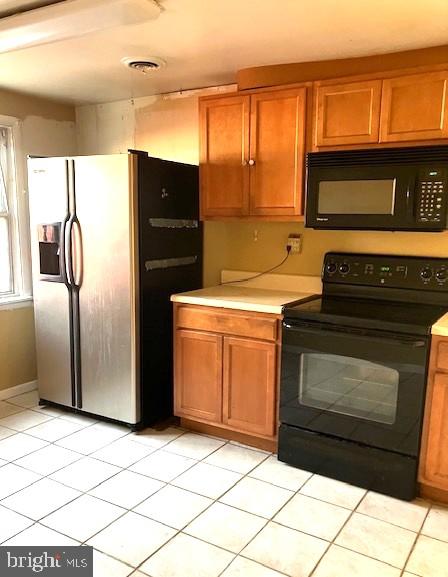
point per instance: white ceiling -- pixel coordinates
(205, 42)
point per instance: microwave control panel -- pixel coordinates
(431, 192)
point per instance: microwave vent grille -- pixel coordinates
(431, 155)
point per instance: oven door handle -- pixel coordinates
(399, 340)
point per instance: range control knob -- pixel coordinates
(426, 273)
(441, 274)
(331, 267)
(344, 268)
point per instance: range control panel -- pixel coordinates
(431, 194)
(386, 270)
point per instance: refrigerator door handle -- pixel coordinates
(68, 250)
(75, 279)
(63, 252)
(76, 240)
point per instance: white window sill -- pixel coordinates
(15, 302)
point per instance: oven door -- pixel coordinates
(362, 386)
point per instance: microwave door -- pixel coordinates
(377, 198)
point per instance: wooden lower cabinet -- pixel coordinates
(249, 385)
(433, 474)
(225, 378)
(198, 375)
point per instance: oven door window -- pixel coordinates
(349, 386)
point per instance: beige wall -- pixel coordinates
(22, 106)
(269, 248)
(48, 128)
(166, 127)
(169, 128)
(17, 347)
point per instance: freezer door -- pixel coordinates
(103, 254)
(49, 204)
(170, 262)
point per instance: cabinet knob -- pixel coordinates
(251, 162)
(244, 163)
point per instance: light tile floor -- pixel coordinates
(173, 503)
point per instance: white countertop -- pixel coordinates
(247, 297)
(440, 328)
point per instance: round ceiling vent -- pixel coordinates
(144, 64)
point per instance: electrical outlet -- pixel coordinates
(295, 242)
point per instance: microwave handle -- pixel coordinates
(410, 191)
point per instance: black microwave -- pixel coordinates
(378, 189)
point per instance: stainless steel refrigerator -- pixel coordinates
(112, 238)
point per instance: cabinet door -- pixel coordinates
(224, 150)
(348, 113)
(198, 375)
(435, 466)
(249, 385)
(277, 142)
(415, 107)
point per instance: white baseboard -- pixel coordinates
(18, 390)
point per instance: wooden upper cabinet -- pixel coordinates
(198, 375)
(249, 385)
(277, 141)
(252, 145)
(252, 154)
(224, 151)
(347, 113)
(415, 107)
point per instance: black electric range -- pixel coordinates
(354, 370)
(383, 315)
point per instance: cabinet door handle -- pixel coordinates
(244, 163)
(251, 162)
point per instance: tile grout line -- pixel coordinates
(355, 510)
(177, 531)
(47, 477)
(333, 541)
(125, 510)
(268, 520)
(213, 501)
(419, 533)
(162, 447)
(42, 476)
(86, 493)
(81, 455)
(39, 521)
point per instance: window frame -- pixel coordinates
(19, 234)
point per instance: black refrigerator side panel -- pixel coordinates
(170, 262)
